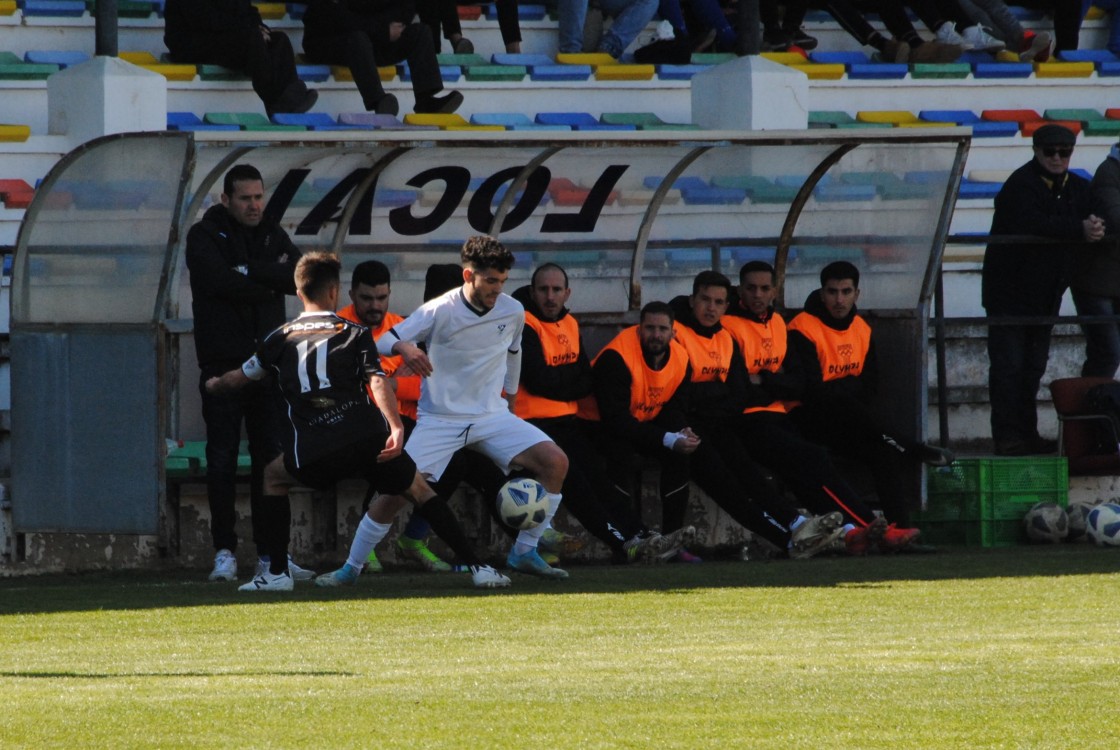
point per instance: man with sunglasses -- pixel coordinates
(1021, 279)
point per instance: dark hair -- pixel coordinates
(483, 251)
(316, 273)
(711, 278)
(757, 266)
(370, 273)
(838, 271)
(440, 278)
(240, 173)
(548, 267)
(657, 308)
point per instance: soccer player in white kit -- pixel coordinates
(472, 337)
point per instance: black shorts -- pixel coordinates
(357, 460)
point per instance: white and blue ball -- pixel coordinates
(1046, 523)
(523, 503)
(1078, 521)
(1104, 525)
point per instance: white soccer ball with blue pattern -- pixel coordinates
(1079, 521)
(1104, 525)
(1046, 522)
(523, 503)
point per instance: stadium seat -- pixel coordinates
(825, 119)
(441, 121)
(984, 129)
(653, 182)
(941, 70)
(12, 68)
(61, 58)
(1010, 115)
(1064, 69)
(271, 11)
(847, 59)
(15, 193)
(505, 119)
(58, 8)
(1108, 69)
(311, 120)
(496, 72)
(1028, 128)
(207, 72)
(585, 58)
(625, 72)
(837, 191)
(1002, 70)
(1083, 116)
(577, 121)
(877, 71)
(389, 198)
(462, 61)
(1095, 56)
(189, 121)
(679, 72)
(978, 190)
(819, 72)
(313, 73)
(524, 12)
(524, 60)
(955, 116)
(8, 7)
(892, 117)
(449, 73)
(469, 12)
(564, 192)
(14, 133)
(1109, 128)
(560, 72)
(711, 58)
(247, 121)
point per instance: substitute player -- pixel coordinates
(323, 364)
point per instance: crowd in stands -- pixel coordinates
(365, 34)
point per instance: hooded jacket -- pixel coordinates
(855, 372)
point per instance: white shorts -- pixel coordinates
(499, 436)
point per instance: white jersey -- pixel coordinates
(474, 354)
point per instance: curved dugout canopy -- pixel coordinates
(99, 277)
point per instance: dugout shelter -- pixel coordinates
(103, 366)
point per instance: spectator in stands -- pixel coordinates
(906, 46)
(443, 15)
(1113, 8)
(1044, 199)
(472, 336)
(1095, 280)
(776, 382)
(555, 376)
(240, 263)
(836, 347)
(630, 17)
(1068, 15)
(231, 33)
(711, 26)
(643, 379)
(1030, 46)
(363, 34)
(336, 429)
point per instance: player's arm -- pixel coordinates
(386, 401)
(402, 339)
(236, 379)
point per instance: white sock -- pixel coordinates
(528, 538)
(367, 536)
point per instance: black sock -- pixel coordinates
(877, 40)
(447, 528)
(278, 526)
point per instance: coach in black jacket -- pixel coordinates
(241, 265)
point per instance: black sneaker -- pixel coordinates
(775, 40)
(387, 105)
(801, 39)
(442, 105)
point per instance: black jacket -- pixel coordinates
(1030, 279)
(713, 401)
(1096, 267)
(788, 383)
(234, 311)
(187, 23)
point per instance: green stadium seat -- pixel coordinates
(247, 121)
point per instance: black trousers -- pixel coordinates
(1017, 357)
(362, 50)
(773, 439)
(271, 64)
(255, 406)
(587, 493)
(844, 425)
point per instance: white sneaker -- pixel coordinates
(947, 34)
(978, 38)
(225, 566)
(485, 577)
(298, 573)
(268, 582)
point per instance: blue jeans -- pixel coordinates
(1113, 7)
(630, 17)
(1102, 340)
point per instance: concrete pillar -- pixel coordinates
(102, 96)
(750, 93)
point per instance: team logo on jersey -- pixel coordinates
(321, 402)
(501, 327)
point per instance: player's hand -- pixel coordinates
(212, 384)
(264, 34)
(687, 443)
(392, 447)
(415, 358)
(1093, 228)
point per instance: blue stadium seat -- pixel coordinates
(984, 129)
(313, 73)
(375, 121)
(878, 71)
(1002, 70)
(189, 121)
(847, 59)
(956, 116)
(679, 72)
(57, 8)
(978, 190)
(505, 119)
(577, 121)
(526, 60)
(311, 121)
(61, 58)
(560, 72)
(524, 12)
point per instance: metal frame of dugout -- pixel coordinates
(102, 363)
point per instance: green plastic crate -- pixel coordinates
(982, 501)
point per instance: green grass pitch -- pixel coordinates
(1012, 648)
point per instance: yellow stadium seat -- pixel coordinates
(625, 72)
(272, 11)
(585, 58)
(821, 71)
(1063, 69)
(14, 133)
(887, 116)
(439, 120)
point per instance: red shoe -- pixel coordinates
(859, 540)
(895, 539)
(684, 556)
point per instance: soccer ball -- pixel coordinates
(1078, 521)
(1046, 522)
(1104, 525)
(523, 503)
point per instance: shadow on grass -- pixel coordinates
(148, 589)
